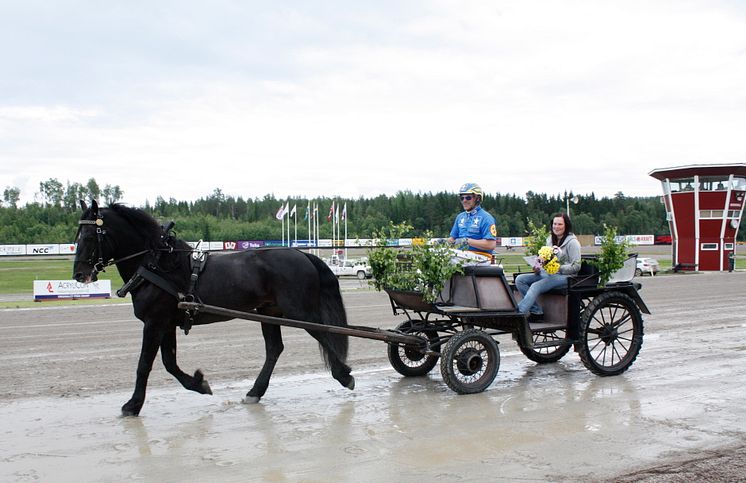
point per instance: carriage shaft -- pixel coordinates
(388, 336)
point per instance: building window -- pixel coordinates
(708, 246)
(710, 214)
(683, 184)
(728, 247)
(739, 184)
(713, 183)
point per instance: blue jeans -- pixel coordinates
(531, 285)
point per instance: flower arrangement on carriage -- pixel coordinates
(423, 268)
(547, 259)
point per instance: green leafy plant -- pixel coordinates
(538, 238)
(612, 256)
(385, 261)
(423, 268)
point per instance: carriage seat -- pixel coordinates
(481, 287)
(483, 270)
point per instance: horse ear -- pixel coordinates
(83, 206)
(94, 206)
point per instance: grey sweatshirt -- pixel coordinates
(569, 254)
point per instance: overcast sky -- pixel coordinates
(323, 98)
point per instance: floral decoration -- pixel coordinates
(547, 259)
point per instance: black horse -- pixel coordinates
(280, 282)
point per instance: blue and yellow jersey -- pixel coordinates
(476, 224)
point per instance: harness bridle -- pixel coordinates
(148, 271)
(100, 265)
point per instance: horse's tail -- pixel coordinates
(331, 307)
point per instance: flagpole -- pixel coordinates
(295, 223)
(283, 224)
(344, 213)
(308, 220)
(287, 213)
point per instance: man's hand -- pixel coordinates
(461, 243)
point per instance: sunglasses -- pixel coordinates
(466, 197)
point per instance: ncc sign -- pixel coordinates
(70, 289)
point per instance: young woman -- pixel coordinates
(567, 246)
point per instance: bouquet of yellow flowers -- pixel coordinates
(548, 260)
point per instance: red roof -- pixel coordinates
(738, 169)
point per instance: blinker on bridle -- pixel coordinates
(100, 265)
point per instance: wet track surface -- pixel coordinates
(68, 370)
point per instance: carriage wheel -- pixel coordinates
(610, 334)
(545, 355)
(408, 361)
(469, 361)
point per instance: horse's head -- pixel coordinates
(93, 250)
(114, 235)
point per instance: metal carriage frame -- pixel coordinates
(604, 325)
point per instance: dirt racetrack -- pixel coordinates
(676, 415)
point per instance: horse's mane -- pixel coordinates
(142, 222)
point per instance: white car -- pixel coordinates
(646, 265)
(351, 268)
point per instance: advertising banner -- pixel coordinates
(246, 244)
(68, 249)
(215, 245)
(515, 241)
(70, 289)
(48, 249)
(10, 250)
(631, 239)
(641, 239)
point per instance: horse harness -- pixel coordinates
(148, 272)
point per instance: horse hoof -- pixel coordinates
(250, 400)
(351, 383)
(204, 388)
(127, 412)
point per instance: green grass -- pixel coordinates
(25, 304)
(17, 276)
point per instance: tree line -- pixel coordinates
(52, 216)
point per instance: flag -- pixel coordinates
(308, 211)
(331, 213)
(344, 212)
(292, 212)
(280, 213)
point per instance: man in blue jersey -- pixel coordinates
(474, 228)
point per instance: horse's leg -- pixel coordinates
(273, 347)
(152, 334)
(168, 354)
(340, 370)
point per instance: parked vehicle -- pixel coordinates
(646, 265)
(351, 268)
